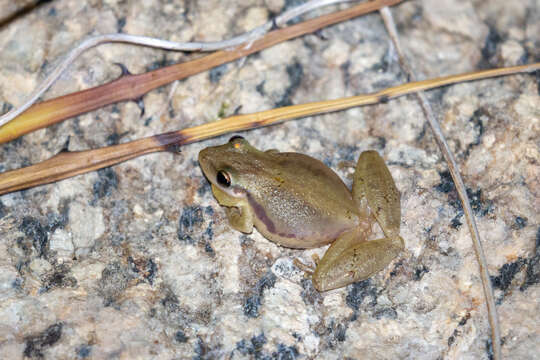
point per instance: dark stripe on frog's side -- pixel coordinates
(261, 214)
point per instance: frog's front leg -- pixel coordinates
(238, 212)
(351, 258)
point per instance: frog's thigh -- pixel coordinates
(352, 260)
(373, 180)
(238, 212)
(345, 241)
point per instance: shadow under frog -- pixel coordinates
(298, 202)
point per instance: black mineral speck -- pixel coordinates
(84, 351)
(180, 337)
(191, 217)
(120, 24)
(489, 50)
(209, 210)
(58, 220)
(253, 346)
(2, 210)
(208, 249)
(170, 302)
(251, 306)
(60, 278)
(151, 270)
(6, 107)
(146, 268)
(506, 274)
(538, 81)
(455, 223)
(296, 73)
(201, 350)
(106, 183)
(358, 292)
(532, 274)
(217, 73)
(209, 233)
(258, 341)
(420, 271)
(489, 347)
(387, 313)
(35, 344)
(451, 339)
(260, 88)
(447, 184)
(310, 295)
(32, 228)
(519, 223)
(479, 206)
(17, 283)
(204, 188)
(113, 139)
(477, 120)
(159, 64)
(284, 352)
(340, 333)
(253, 302)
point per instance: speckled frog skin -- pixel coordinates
(298, 202)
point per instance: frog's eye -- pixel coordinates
(237, 141)
(236, 137)
(223, 178)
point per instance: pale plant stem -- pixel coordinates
(94, 41)
(460, 187)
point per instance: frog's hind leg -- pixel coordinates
(351, 258)
(374, 182)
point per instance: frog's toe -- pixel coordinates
(309, 270)
(335, 281)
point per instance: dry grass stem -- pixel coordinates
(460, 187)
(68, 164)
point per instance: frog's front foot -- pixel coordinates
(309, 270)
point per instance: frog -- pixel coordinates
(298, 202)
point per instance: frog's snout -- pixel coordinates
(203, 157)
(205, 163)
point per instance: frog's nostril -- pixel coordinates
(202, 156)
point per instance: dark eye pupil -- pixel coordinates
(223, 178)
(236, 137)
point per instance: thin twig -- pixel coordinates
(94, 41)
(68, 164)
(133, 87)
(455, 173)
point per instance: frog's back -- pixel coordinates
(301, 202)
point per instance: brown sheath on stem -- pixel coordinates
(68, 164)
(132, 87)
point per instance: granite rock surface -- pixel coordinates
(137, 261)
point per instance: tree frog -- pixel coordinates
(298, 202)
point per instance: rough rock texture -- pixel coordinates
(137, 261)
